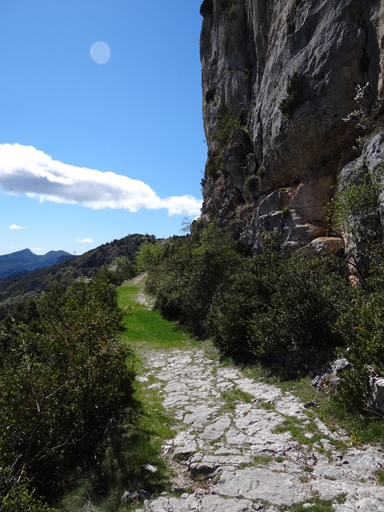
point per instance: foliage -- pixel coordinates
(357, 198)
(225, 126)
(362, 325)
(261, 306)
(285, 212)
(365, 121)
(121, 269)
(137, 443)
(290, 102)
(354, 210)
(20, 497)
(214, 165)
(251, 184)
(271, 308)
(185, 272)
(232, 8)
(63, 384)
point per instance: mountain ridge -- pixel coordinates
(26, 260)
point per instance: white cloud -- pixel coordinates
(38, 249)
(84, 240)
(15, 226)
(26, 170)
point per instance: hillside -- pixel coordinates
(66, 272)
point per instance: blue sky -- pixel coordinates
(66, 121)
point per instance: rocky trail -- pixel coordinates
(243, 445)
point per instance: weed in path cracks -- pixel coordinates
(234, 396)
(317, 505)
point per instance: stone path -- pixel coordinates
(234, 450)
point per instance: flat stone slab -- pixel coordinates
(259, 420)
(200, 415)
(263, 484)
(209, 503)
(356, 491)
(217, 429)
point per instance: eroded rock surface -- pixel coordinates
(235, 435)
(287, 71)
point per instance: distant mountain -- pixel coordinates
(26, 282)
(26, 261)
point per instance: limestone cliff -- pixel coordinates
(278, 78)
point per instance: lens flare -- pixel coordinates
(100, 52)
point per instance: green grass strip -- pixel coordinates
(142, 324)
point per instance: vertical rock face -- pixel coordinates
(278, 78)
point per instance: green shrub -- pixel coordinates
(215, 165)
(236, 301)
(362, 327)
(251, 184)
(285, 212)
(290, 102)
(219, 138)
(63, 385)
(355, 211)
(273, 307)
(308, 297)
(20, 497)
(188, 273)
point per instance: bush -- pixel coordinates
(308, 297)
(362, 327)
(273, 309)
(225, 126)
(63, 386)
(251, 184)
(235, 303)
(290, 102)
(184, 273)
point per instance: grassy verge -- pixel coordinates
(137, 443)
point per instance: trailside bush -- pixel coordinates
(184, 273)
(245, 294)
(271, 308)
(213, 261)
(362, 327)
(20, 497)
(263, 306)
(63, 387)
(299, 320)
